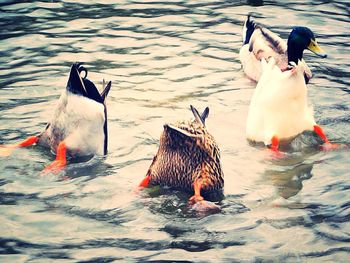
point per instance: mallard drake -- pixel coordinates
(188, 159)
(79, 122)
(259, 42)
(279, 107)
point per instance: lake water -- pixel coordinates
(161, 57)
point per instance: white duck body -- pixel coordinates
(79, 121)
(263, 43)
(80, 117)
(279, 105)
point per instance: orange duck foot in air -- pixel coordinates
(197, 201)
(327, 146)
(6, 150)
(61, 160)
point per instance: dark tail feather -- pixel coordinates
(249, 28)
(104, 94)
(198, 117)
(92, 91)
(82, 85)
(106, 90)
(75, 84)
(205, 114)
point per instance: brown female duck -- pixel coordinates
(188, 158)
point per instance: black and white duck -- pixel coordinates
(279, 109)
(79, 124)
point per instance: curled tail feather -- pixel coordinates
(248, 29)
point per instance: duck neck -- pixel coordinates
(295, 52)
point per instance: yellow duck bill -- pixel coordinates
(315, 48)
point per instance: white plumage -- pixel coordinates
(78, 121)
(279, 106)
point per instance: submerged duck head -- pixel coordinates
(302, 38)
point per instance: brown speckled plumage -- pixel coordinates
(187, 152)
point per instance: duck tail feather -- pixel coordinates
(106, 90)
(248, 29)
(81, 85)
(198, 116)
(92, 91)
(75, 83)
(205, 114)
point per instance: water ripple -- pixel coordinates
(161, 57)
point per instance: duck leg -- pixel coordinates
(275, 142)
(6, 150)
(197, 186)
(197, 201)
(61, 159)
(327, 144)
(145, 182)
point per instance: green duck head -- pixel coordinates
(302, 38)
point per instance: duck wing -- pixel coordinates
(266, 44)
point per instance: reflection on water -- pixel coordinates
(162, 57)
(289, 181)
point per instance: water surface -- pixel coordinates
(162, 57)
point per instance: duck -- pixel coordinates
(78, 126)
(188, 159)
(279, 108)
(259, 42)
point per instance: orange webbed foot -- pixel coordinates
(6, 150)
(198, 204)
(56, 167)
(60, 163)
(145, 182)
(327, 146)
(195, 199)
(332, 146)
(276, 154)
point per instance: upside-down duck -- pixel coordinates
(188, 159)
(79, 123)
(279, 109)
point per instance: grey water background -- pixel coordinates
(163, 56)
